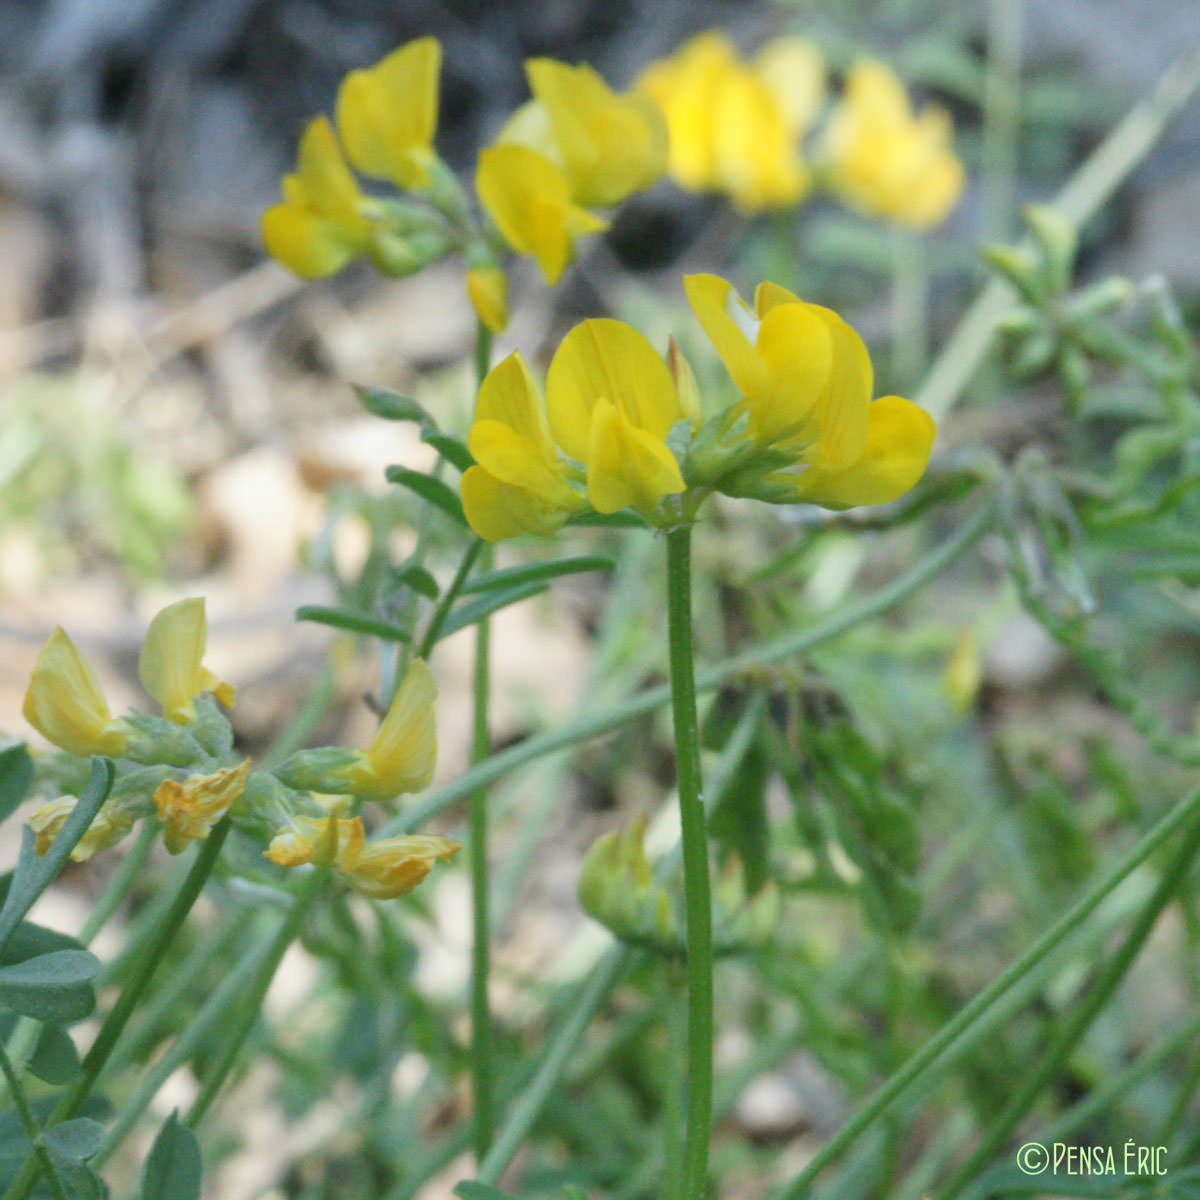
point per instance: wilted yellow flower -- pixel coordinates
(190, 809)
(382, 870)
(884, 160)
(735, 127)
(403, 753)
(321, 225)
(387, 115)
(108, 827)
(65, 705)
(487, 289)
(806, 381)
(530, 200)
(608, 145)
(171, 665)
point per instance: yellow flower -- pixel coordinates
(520, 483)
(487, 289)
(190, 809)
(108, 827)
(387, 115)
(608, 146)
(403, 753)
(321, 225)
(734, 126)
(611, 403)
(806, 381)
(65, 705)
(171, 664)
(530, 200)
(381, 870)
(884, 160)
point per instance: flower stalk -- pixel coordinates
(694, 836)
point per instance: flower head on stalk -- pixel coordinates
(886, 161)
(735, 126)
(611, 401)
(806, 428)
(190, 809)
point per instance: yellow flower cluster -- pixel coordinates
(574, 147)
(179, 767)
(599, 439)
(886, 161)
(735, 127)
(621, 429)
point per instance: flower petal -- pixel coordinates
(627, 467)
(607, 360)
(497, 511)
(899, 439)
(714, 302)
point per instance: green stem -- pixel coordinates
(477, 842)
(31, 1126)
(482, 1083)
(1050, 1060)
(910, 308)
(1001, 116)
(694, 837)
(448, 598)
(256, 989)
(604, 720)
(956, 1032)
(120, 883)
(147, 963)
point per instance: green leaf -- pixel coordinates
(16, 774)
(75, 1140)
(450, 448)
(35, 873)
(343, 618)
(533, 572)
(173, 1167)
(55, 1059)
(476, 610)
(55, 987)
(392, 406)
(617, 520)
(415, 576)
(471, 1190)
(432, 490)
(31, 941)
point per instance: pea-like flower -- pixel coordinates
(812, 432)
(487, 289)
(886, 161)
(108, 827)
(402, 755)
(387, 115)
(381, 870)
(323, 222)
(610, 404)
(190, 809)
(171, 665)
(65, 705)
(735, 127)
(577, 145)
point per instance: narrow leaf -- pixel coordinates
(433, 490)
(16, 774)
(415, 576)
(450, 448)
(173, 1167)
(476, 610)
(617, 520)
(392, 406)
(532, 572)
(343, 618)
(469, 1189)
(34, 874)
